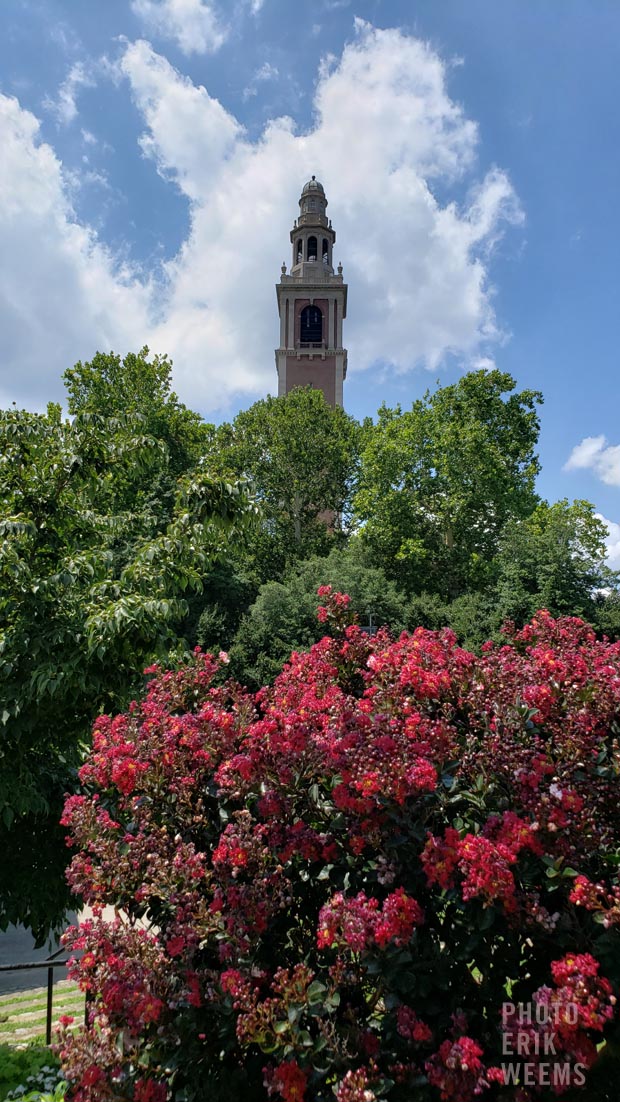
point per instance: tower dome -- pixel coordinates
(313, 185)
(312, 203)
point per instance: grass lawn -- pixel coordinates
(22, 1015)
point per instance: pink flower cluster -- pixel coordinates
(360, 923)
(457, 1070)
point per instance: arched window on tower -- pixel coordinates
(312, 248)
(300, 253)
(311, 328)
(325, 251)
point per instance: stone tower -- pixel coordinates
(312, 303)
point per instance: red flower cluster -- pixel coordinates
(484, 860)
(410, 1026)
(580, 988)
(359, 923)
(149, 1090)
(338, 603)
(288, 1080)
(457, 1069)
(554, 1036)
(598, 899)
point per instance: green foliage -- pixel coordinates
(56, 1095)
(18, 1065)
(301, 457)
(554, 559)
(99, 543)
(283, 617)
(137, 386)
(227, 594)
(606, 614)
(439, 482)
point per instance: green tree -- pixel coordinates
(137, 392)
(215, 613)
(554, 559)
(283, 617)
(92, 588)
(141, 388)
(438, 483)
(606, 614)
(301, 457)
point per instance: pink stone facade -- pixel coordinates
(316, 372)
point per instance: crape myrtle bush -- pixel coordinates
(330, 888)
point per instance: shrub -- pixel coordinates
(339, 886)
(26, 1094)
(22, 1070)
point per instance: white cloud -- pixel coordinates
(594, 453)
(192, 24)
(189, 135)
(64, 107)
(612, 542)
(418, 272)
(62, 295)
(266, 72)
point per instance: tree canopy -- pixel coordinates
(439, 481)
(301, 457)
(94, 568)
(283, 616)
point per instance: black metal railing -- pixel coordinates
(50, 964)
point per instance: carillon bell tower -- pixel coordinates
(312, 303)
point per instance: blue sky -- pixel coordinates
(153, 154)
